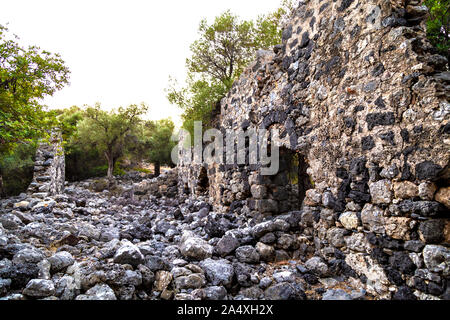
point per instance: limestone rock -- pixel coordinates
(194, 247)
(381, 192)
(405, 190)
(349, 220)
(39, 288)
(128, 253)
(443, 196)
(218, 272)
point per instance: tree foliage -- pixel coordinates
(107, 131)
(438, 25)
(219, 56)
(26, 76)
(158, 135)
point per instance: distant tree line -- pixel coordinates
(95, 141)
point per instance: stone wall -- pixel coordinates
(359, 94)
(49, 169)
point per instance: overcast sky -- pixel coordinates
(119, 52)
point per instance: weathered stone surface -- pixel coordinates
(350, 220)
(162, 280)
(29, 255)
(192, 281)
(338, 294)
(405, 190)
(227, 245)
(218, 272)
(357, 242)
(398, 228)
(361, 101)
(39, 288)
(194, 247)
(443, 196)
(128, 253)
(247, 254)
(99, 292)
(427, 190)
(432, 231)
(381, 192)
(61, 260)
(313, 198)
(377, 281)
(373, 219)
(284, 291)
(317, 266)
(437, 259)
(266, 252)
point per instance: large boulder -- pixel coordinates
(39, 288)
(61, 260)
(99, 292)
(194, 247)
(437, 259)
(128, 253)
(247, 254)
(226, 245)
(218, 272)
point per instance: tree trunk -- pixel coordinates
(2, 193)
(110, 159)
(157, 169)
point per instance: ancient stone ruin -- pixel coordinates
(358, 210)
(49, 170)
(362, 104)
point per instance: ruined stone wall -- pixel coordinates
(358, 92)
(49, 169)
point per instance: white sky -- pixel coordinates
(119, 52)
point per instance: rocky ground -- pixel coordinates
(139, 241)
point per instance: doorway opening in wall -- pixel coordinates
(292, 181)
(203, 182)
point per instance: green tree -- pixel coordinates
(158, 136)
(219, 56)
(438, 25)
(107, 131)
(17, 169)
(26, 76)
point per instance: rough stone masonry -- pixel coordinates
(359, 209)
(49, 169)
(362, 102)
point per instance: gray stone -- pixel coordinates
(66, 288)
(247, 254)
(316, 265)
(61, 260)
(284, 291)
(373, 219)
(195, 248)
(226, 245)
(99, 292)
(381, 192)
(39, 288)
(192, 281)
(338, 294)
(29, 255)
(218, 272)
(335, 236)
(128, 253)
(10, 221)
(437, 259)
(266, 252)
